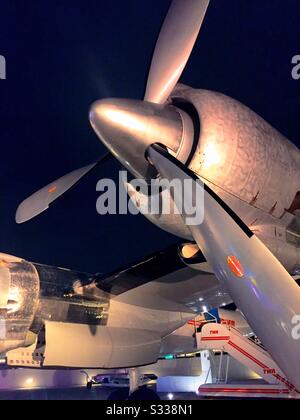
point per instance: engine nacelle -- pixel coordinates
(19, 296)
(250, 165)
(240, 153)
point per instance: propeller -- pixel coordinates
(254, 278)
(174, 46)
(123, 126)
(41, 200)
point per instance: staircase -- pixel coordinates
(226, 338)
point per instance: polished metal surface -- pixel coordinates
(174, 46)
(241, 153)
(22, 300)
(127, 127)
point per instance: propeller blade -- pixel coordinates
(259, 285)
(40, 200)
(174, 46)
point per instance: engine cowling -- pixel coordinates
(240, 152)
(19, 295)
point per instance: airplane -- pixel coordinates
(121, 319)
(129, 309)
(113, 326)
(250, 237)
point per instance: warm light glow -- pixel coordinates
(235, 266)
(124, 119)
(189, 251)
(29, 381)
(211, 156)
(14, 300)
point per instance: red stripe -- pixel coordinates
(245, 390)
(262, 365)
(214, 338)
(259, 363)
(196, 323)
(247, 355)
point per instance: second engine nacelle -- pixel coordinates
(19, 297)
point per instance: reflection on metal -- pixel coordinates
(32, 294)
(22, 300)
(211, 157)
(174, 46)
(69, 296)
(128, 127)
(4, 284)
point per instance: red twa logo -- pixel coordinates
(269, 371)
(235, 266)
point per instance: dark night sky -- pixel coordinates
(64, 54)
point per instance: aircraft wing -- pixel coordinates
(162, 281)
